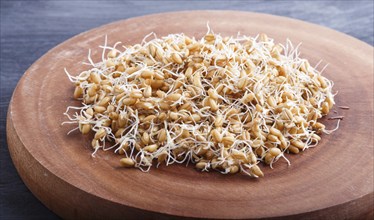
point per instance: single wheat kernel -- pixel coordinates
(127, 162)
(100, 134)
(257, 171)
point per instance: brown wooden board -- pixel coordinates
(333, 180)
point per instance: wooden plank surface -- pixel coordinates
(30, 28)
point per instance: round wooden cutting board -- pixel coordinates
(333, 180)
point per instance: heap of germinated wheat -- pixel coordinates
(221, 103)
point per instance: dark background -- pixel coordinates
(31, 28)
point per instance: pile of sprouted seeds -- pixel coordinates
(222, 103)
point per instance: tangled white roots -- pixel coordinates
(222, 103)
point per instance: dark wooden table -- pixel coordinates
(31, 28)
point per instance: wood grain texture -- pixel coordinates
(30, 28)
(334, 180)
